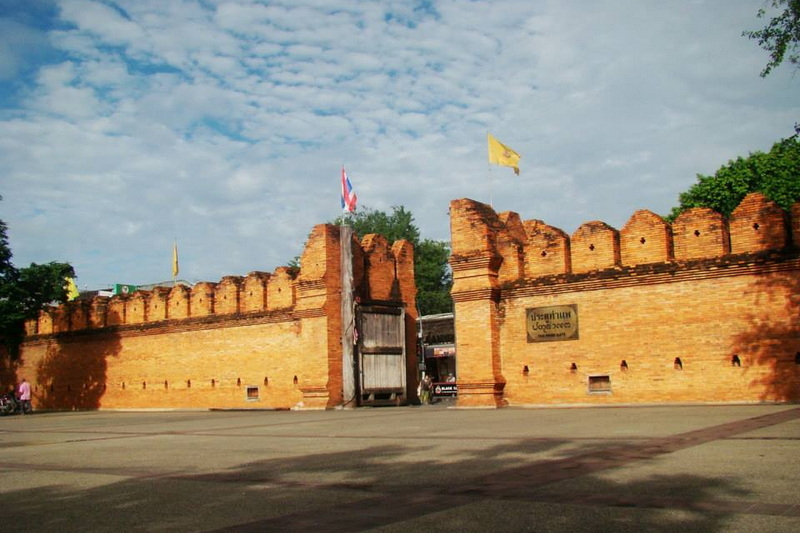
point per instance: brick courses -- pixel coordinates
(702, 290)
(266, 340)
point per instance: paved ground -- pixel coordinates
(411, 469)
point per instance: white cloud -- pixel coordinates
(224, 123)
(102, 21)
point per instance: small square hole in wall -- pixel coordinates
(599, 384)
(252, 393)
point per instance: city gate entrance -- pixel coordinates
(381, 355)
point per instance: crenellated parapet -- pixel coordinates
(115, 311)
(381, 272)
(136, 308)
(281, 292)
(547, 250)
(700, 233)
(254, 292)
(403, 253)
(646, 238)
(227, 297)
(178, 302)
(595, 246)
(488, 246)
(475, 257)
(511, 244)
(157, 304)
(97, 313)
(758, 225)
(78, 314)
(202, 298)
(379, 267)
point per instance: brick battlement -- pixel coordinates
(283, 292)
(531, 249)
(701, 310)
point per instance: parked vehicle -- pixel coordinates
(9, 405)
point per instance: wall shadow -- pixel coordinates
(72, 373)
(773, 344)
(391, 488)
(8, 371)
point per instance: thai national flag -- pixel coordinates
(349, 197)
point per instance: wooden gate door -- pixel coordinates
(381, 355)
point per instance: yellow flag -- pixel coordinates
(72, 289)
(175, 269)
(500, 154)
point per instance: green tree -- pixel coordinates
(781, 35)
(399, 224)
(433, 277)
(775, 174)
(26, 291)
(431, 271)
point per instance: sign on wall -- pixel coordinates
(552, 323)
(444, 351)
(445, 389)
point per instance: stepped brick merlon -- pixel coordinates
(595, 246)
(646, 238)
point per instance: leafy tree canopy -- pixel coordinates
(26, 291)
(781, 35)
(397, 225)
(431, 271)
(433, 277)
(775, 174)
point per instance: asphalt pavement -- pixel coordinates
(722, 468)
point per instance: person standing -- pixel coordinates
(24, 395)
(425, 385)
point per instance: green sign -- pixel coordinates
(124, 289)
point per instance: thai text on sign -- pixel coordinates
(552, 323)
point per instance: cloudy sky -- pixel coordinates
(127, 124)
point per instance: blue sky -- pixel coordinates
(224, 124)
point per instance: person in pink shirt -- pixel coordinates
(24, 395)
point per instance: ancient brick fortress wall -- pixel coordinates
(661, 309)
(277, 334)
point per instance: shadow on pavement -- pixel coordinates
(509, 488)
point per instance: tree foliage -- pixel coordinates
(781, 35)
(775, 174)
(399, 224)
(26, 291)
(433, 277)
(431, 271)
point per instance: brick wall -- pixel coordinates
(266, 340)
(718, 296)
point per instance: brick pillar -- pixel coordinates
(403, 252)
(480, 380)
(476, 262)
(319, 310)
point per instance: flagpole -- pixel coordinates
(348, 305)
(174, 261)
(342, 192)
(491, 203)
(489, 170)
